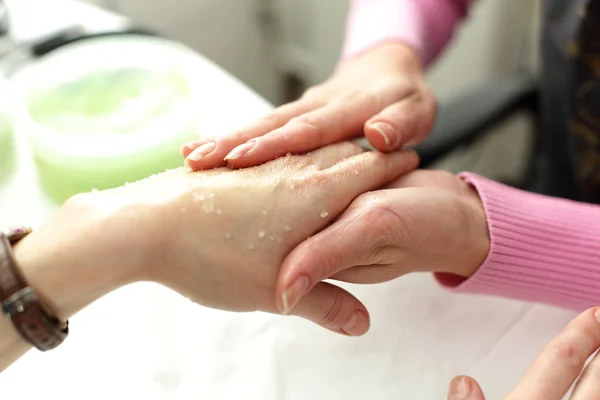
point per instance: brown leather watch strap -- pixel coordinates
(32, 319)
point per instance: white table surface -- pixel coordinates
(146, 342)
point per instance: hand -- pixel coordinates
(423, 221)
(381, 94)
(218, 237)
(557, 368)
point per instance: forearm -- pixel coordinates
(543, 249)
(425, 25)
(68, 267)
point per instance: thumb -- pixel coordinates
(338, 247)
(335, 309)
(464, 388)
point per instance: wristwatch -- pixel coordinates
(36, 324)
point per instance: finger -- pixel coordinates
(346, 243)
(335, 309)
(200, 157)
(334, 122)
(465, 388)
(338, 247)
(406, 122)
(370, 170)
(190, 146)
(562, 360)
(326, 157)
(588, 384)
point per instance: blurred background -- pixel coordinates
(280, 47)
(277, 48)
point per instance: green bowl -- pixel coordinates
(103, 112)
(7, 149)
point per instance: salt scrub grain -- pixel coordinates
(198, 197)
(183, 210)
(288, 228)
(228, 236)
(355, 172)
(324, 214)
(261, 234)
(251, 247)
(272, 238)
(264, 212)
(219, 211)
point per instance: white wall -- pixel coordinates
(226, 31)
(309, 35)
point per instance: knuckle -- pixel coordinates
(333, 314)
(569, 355)
(310, 121)
(382, 227)
(277, 118)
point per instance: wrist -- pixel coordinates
(395, 55)
(476, 242)
(73, 259)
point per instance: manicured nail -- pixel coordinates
(240, 150)
(597, 314)
(461, 389)
(293, 293)
(202, 151)
(385, 130)
(356, 324)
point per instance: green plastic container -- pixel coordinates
(103, 112)
(7, 148)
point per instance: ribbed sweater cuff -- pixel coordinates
(543, 249)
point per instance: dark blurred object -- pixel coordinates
(3, 19)
(77, 33)
(19, 54)
(474, 113)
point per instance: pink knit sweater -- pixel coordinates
(543, 249)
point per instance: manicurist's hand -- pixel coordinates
(425, 221)
(381, 94)
(559, 367)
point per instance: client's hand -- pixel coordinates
(220, 236)
(557, 368)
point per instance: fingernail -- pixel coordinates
(240, 150)
(293, 293)
(356, 325)
(202, 151)
(385, 130)
(461, 389)
(597, 314)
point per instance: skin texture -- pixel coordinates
(559, 367)
(381, 94)
(218, 237)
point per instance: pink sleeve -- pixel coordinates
(426, 25)
(543, 249)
